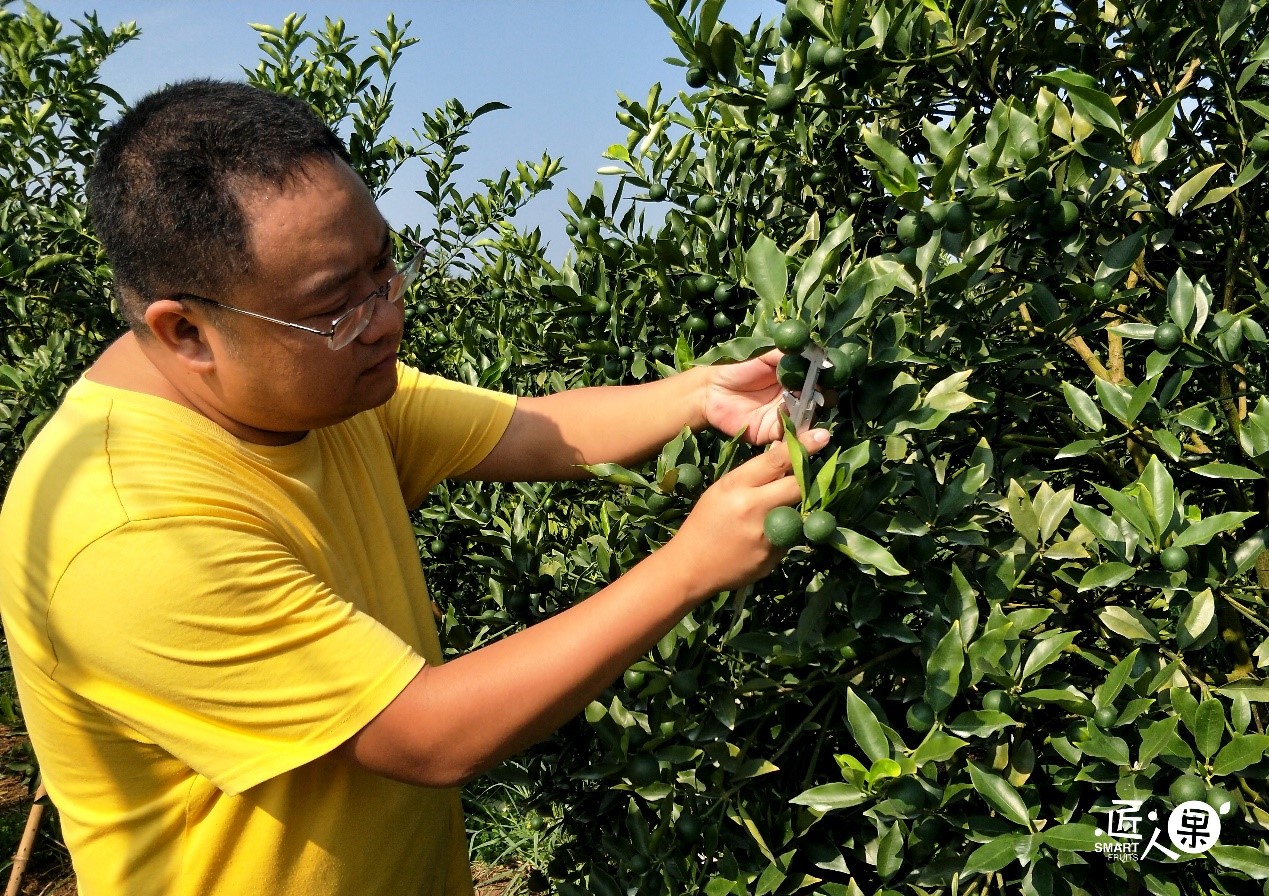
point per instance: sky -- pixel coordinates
(559, 65)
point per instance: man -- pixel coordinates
(221, 636)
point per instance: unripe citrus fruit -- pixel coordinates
(920, 716)
(791, 371)
(911, 231)
(1102, 290)
(791, 336)
(1167, 337)
(1174, 559)
(783, 527)
(695, 324)
(781, 98)
(1105, 717)
(743, 148)
(834, 58)
(685, 682)
(819, 526)
(705, 205)
(846, 360)
(688, 826)
(690, 478)
(657, 192)
(697, 77)
(1187, 788)
(1223, 801)
(957, 218)
(634, 679)
(998, 701)
(815, 53)
(642, 771)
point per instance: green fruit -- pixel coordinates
(934, 215)
(685, 682)
(705, 206)
(1102, 291)
(920, 716)
(1029, 149)
(706, 284)
(1174, 559)
(722, 321)
(834, 59)
(657, 192)
(1017, 190)
(818, 178)
(998, 701)
(535, 822)
(855, 199)
(847, 361)
(1037, 181)
(602, 308)
(688, 826)
(1167, 337)
(791, 371)
(614, 245)
(613, 369)
(638, 864)
(723, 293)
(781, 98)
(642, 771)
(791, 336)
(695, 324)
(470, 229)
(1187, 788)
(1067, 216)
(743, 148)
(697, 77)
(634, 679)
(783, 527)
(690, 479)
(435, 546)
(1105, 717)
(957, 218)
(912, 232)
(819, 527)
(497, 294)
(625, 353)
(1225, 802)
(815, 53)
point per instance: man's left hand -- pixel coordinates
(746, 397)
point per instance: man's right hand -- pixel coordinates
(721, 542)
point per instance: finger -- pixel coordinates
(774, 463)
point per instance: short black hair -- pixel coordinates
(165, 190)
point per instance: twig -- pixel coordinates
(26, 845)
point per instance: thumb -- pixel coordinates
(775, 462)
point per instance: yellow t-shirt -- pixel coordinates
(196, 622)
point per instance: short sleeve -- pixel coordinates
(439, 428)
(221, 648)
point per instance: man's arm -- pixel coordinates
(549, 438)
(454, 721)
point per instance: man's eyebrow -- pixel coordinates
(328, 285)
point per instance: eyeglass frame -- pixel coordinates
(405, 276)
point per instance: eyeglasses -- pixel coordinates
(353, 322)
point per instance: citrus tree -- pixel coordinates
(1024, 604)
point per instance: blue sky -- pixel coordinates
(559, 64)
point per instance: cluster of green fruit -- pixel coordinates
(1192, 788)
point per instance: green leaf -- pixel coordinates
(890, 852)
(1070, 837)
(867, 553)
(943, 672)
(867, 731)
(828, 797)
(1044, 651)
(1191, 188)
(1246, 859)
(1083, 406)
(766, 267)
(1106, 575)
(1159, 484)
(1209, 727)
(1198, 620)
(903, 174)
(1000, 794)
(1205, 529)
(1119, 676)
(1128, 508)
(1119, 257)
(938, 746)
(1153, 128)
(1156, 738)
(1128, 623)
(997, 853)
(1242, 751)
(1226, 471)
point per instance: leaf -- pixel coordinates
(1226, 471)
(1045, 651)
(1242, 751)
(896, 162)
(617, 475)
(828, 797)
(943, 671)
(1156, 738)
(766, 267)
(1128, 508)
(1000, 794)
(1070, 837)
(1120, 256)
(1153, 128)
(1246, 859)
(1198, 620)
(1128, 623)
(1162, 494)
(938, 746)
(1209, 727)
(997, 853)
(1083, 406)
(867, 553)
(1205, 529)
(1191, 188)
(1119, 676)
(867, 731)
(1106, 575)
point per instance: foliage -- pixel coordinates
(1037, 232)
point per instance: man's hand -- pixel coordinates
(746, 397)
(722, 538)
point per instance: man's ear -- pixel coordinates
(181, 331)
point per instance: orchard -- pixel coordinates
(1023, 611)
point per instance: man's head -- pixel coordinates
(166, 190)
(239, 235)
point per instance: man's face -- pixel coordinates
(319, 246)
